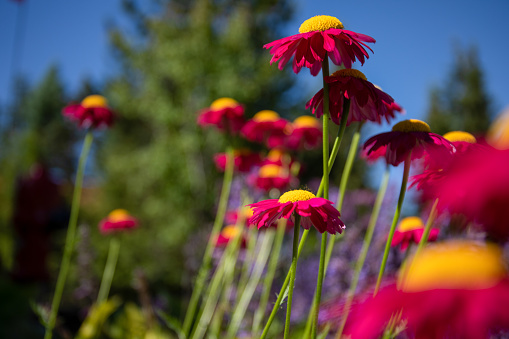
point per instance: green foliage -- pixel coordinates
(157, 162)
(462, 102)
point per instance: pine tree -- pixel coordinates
(462, 103)
(156, 161)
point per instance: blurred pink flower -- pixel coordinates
(224, 113)
(118, 221)
(304, 133)
(410, 230)
(244, 160)
(92, 112)
(266, 126)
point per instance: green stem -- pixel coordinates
(427, 229)
(205, 266)
(109, 270)
(313, 313)
(248, 261)
(364, 251)
(394, 222)
(293, 270)
(225, 267)
(269, 277)
(70, 238)
(332, 159)
(248, 292)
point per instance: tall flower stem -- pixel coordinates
(250, 288)
(394, 222)
(427, 229)
(364, 251)
(70, 238)
(224, 268)
(293, 270)
(248, 261)
(312, 321)
(205, 266)
(332, 159)
(269, 276)
(109, 270)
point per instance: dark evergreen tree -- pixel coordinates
(462, 103)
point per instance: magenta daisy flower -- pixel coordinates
(243, 159)
(319, 37)
(476, 185)
(117, 221)
(266, 126)
(410, 230)
(305, 133)
(92, 112)
(226, 114)
(228, 233)
(317, 212)
(367, 102)
(407, 137)
(457, 290)
(272, 176)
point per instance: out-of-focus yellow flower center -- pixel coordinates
(270, 171)
(306, 121)
(498, 134)
(320, 23)
(410, 223)
(454, 265)
(230, 231)
(247, 212)
(296, 195)
(349, 72)
(94, 101)
(275, 154)
(223, 103)
(266, 115)
(411, 125)
(118, 215)
(460, 136)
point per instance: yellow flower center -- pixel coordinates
(460, 136)
(118, 215)
(296, 195)
(275, 154)
(410, 223)
(454, 265)
(269, 171)
(230, 231)
(266, 116)
(306, 121)
(320, 23)
(94, 101)
(350, 72)
(411, 125)
(223, 103)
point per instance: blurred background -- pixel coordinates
(159, 62)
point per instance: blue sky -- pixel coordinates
(414, 48)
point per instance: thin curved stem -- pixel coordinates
(70, 238)
(109, 270)
(427, 228)
(269, 277)
(394, 222)
(293, 270)
(364, 251)
(205, 266)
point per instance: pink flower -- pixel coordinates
(224, 113)
(410, 229)
(244, 160)
(272, 176)
(117, 221)
(92, 112)
(457, 290)
(304, 133)
(407, 137)
(367, 102)
(317, 212)
(477, 186)
(319, 37)
(266, 126)
(228, 233)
